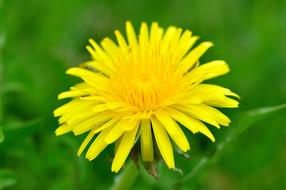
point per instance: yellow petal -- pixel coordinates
(144, 36)
(63, 129)
(213, 89)
(170, 32)
(116, 132)
(191, 123)
(216, 114)
(209, 94)
(62, 109)
(214, 69)
(123, 149)
(131, 35)
(101, 55)
(97, 64)
(171, 41)
(202, 128)
(130, 124)
(183, 44)
(109, 123)
(82, 87)
(121, 41)
(99, 108)
(72, 94)
(199, 113)
(101, 68)
(167, 122)
(85, 142)
(110, 48)
(222, 102)
(74, 112)
(96, 80)
(146, 141)
(163, 142)
(154, 33)
(122, 126)
(80, 117)
(93, 132)
(174, 131)
(92, 122)
(98, 145)
(194, 56)
(182, 118)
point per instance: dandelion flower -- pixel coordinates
(142, 91)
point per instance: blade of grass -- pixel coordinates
(7, 178)
(244, 121)
(12, 131)
(1, 135)
(2, 41)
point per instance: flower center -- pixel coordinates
(144, 92)
(145, 81)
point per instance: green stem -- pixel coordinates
(127, 178)
(2, 40)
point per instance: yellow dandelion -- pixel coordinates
(140, 90)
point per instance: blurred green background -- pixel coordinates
(39, 40)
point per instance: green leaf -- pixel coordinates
(23, 128)
(1, 135)
(7, 179)
(241, 124)
(22, 125)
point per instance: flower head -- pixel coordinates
(140, 90)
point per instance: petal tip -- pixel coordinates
(57, 132)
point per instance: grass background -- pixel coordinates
(39, 40)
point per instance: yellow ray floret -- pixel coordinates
(143, 89)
